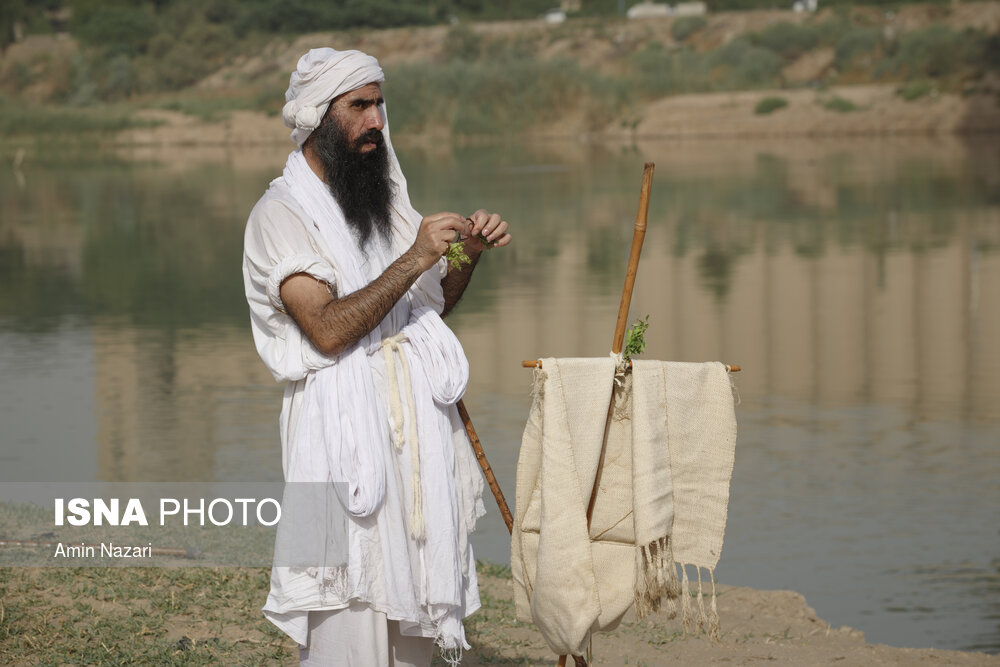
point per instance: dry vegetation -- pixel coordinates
(587, 76)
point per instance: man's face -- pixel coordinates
(359, 117)
(354, 158)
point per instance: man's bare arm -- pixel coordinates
(333, 324)
(456, 280)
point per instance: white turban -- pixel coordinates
(320, 76)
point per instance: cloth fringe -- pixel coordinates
(714, 631)
(450, 654)
(686, 619)
(655, 577)
(333, 582)
(707, 619)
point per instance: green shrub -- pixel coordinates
(501, 96)
(118, 29)
(121, 79)
(854, 42)
(658, 73)
(789, 40)
(839, 104)
(933, 51)
(769, 104)
(686, 26)
(913, 90)
(989, 52)
(745, 65)
(462, 43)
(833, 29)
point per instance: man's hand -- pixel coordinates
(478, 226)
(486, 225)
(435, 233)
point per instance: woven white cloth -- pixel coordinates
(662, 492)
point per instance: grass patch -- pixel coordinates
(186, 616)
(175, 616)
(770, 105)
(914, 90)
(208, 109)
(20, 120)
(839, 104)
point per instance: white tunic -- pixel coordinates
(279, 242)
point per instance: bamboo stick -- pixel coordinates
(638, 234)
(491, 479)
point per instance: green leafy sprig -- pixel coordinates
(635, 339)
(456, 255)
(456, 252)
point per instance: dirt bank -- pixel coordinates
(870, 110)
(774, 626)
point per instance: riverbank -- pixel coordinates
(212, 616)
(918, 70)
(845, 111)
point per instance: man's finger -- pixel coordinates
(497, 230)
(479, 220)
(502, 241)
(492, 224)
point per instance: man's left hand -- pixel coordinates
(489, 226)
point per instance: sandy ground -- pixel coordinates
(757, 626)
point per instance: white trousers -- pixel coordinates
(357, 636)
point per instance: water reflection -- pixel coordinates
(858, 284)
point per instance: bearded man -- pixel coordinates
(347, 285)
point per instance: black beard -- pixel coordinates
(358, 181)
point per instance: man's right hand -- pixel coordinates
(435, 233)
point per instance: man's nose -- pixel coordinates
(374, 121)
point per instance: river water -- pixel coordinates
(856, 283)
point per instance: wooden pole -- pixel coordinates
(485, 465)
(537, 363)
(638, 234)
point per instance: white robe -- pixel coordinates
(389, 576)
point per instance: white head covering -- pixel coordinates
(320, 76)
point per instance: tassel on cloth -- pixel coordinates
(707, 618)
(655, 576)
(687, 620)
(333, 582)
(714, 631)
(450, 654)
(702, 618)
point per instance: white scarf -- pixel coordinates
(663, 464)
(347, 439)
